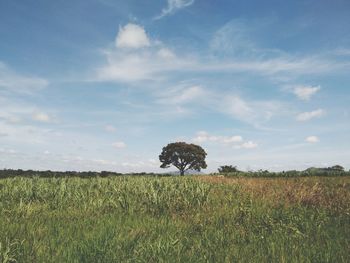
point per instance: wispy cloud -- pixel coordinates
(173, 6)
(235, 141)
(138, 58)
(182, 94)
(203, 136)
(110, 128)
(305, 92)
(41, 117)
(197, 98)
(233, 38)
(238, 108)
(18, 83)
(102, 94)
(155, 65)
(249, 145)
(312, 139)
(306, 116)
(148, 65)
(119, 145)
(16, 112)
(254, 112)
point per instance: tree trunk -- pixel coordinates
(182, 172)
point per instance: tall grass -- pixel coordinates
(139, 219)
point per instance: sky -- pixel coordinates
(105, 84)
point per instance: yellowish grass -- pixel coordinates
(325, 192)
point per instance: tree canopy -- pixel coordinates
(338, 168)
(227, 169)
(183, 156)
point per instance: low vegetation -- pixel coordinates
(174, 219)
(227, 171)
(232, 171)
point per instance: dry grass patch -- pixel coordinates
(325, 192)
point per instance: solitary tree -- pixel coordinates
(183, 156)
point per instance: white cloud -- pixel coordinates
(249, 145)
(143, 165)
(181, 94)
(110, 128)
(203, 136)
(305, 92)
(127, 68)
(139, 65)
(248, 111)
(19, 112)
(119, 145)
(238, 108)
(132, 36)
(26, 134)
(165, 53)
(235, 141)
(305, 116)
(196, 97)
(271, 66)
(153, 64)
(158, 65)
(312, 139)
(103, 162)
(18, 83)
(41, 117)
(173, 6)
(233, 38)
(158, 62)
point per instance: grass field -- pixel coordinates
(180, 219)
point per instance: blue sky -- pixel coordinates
(104, 85)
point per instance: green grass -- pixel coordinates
(139, 219)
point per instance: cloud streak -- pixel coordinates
(305, 92)
(174, 6)
(136, 58)
(17, 83)
(235, 141)
(181, 94)
(119, 145)
(306, 116)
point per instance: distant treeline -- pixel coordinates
(223, 170)
(9, 173)
(337, 170)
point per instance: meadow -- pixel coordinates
(175, 219)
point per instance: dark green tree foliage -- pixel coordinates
(337, 168)
(183, 156)
(227, 169)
